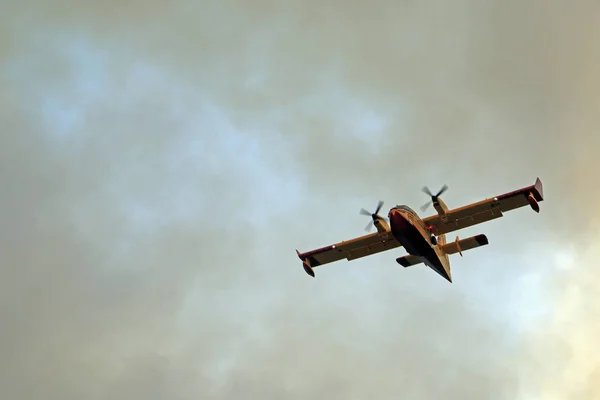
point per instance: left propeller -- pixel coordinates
(374, 215)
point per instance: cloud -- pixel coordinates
(160, 162)
(562, 356)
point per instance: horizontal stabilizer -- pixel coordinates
(458, 246)
(408, 261)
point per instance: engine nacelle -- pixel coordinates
(533, 203)
(381, 225)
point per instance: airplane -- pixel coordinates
(424, 239)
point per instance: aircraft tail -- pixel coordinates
(408, 261)
(460, 245)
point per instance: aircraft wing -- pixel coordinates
(349, 249)
(486, 210)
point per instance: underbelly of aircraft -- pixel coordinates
(410, 237)
(417, 243)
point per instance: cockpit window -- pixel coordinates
(406, 208)
(411, 214)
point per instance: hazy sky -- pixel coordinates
(161, 162)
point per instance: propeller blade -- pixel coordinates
(434, 197)
(442, 190)
(425, 206)
(378, 207)
(373, 216)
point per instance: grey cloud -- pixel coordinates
(198, 293)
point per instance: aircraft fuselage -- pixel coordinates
(414, 236)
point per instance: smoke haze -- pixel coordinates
(160, 162)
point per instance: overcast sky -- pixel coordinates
(161, 162)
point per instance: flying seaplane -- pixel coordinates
(424, 238)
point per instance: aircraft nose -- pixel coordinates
(392, 215)
(396, 219)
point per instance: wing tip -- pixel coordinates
(539, 188)
(306, 264)
(308, 269)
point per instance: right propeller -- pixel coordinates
(374, 215)
(434, 197)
